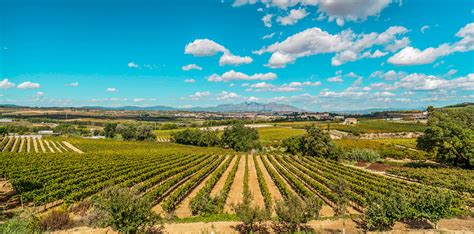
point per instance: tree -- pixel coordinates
(433, 205)
(382, 212)
(250, 215)
(124, 211)
(449, 136)
(196, 137)
(294, 212)
(145, 133)
(292, 144)
(340, 189)
(126, 131)
(240, 138)
(109, 130)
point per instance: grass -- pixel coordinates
(385, 147)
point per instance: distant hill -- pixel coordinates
(464, 104)
(241, 107)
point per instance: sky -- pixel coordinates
(320, 55)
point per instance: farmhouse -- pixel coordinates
(350, 121)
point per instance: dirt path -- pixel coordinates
(22, 143)
(35, 145)
(288, 186)
(56, 147)
(220, 184)
(257, 197)
(64, 149)
(42, 146)
(183, 209)
(28, 144)
(272, 188)
(17, 139)
(73, 148)
(49, 146)
(235, 194)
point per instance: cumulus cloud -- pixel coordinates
(112, 90)
(267, 20)
(139, 99)
(5, 84)
(422, 82)
(206, 47)
(339, 11)
(230, 59)
(335, 79)
(29, 85)
(233, 75)
(200, 95)
(413, 56)
(191, 67)
(293, 17)
(224, 95)
(389, 75)
(346, 45)
(189, 80)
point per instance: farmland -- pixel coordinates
(167, 174)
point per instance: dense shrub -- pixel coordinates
(196, 137)
(294, 212)
(134, 132)
(315, 142)
(124, 211)
(251, 216)
(240, 138)
(364, 155)
(57, 219)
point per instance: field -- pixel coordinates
(34, 144)
(171, 175)
(393, 148)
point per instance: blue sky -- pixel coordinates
(316, 54)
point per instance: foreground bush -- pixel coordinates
(294, 212)
(123, 211)
(196, 137)
(23, 223)
(57, 219)
(251, 216)
(240, 138)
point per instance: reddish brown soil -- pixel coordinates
(378, 167)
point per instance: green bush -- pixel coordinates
(251, 216)
(196, 137)
(240, 138)
(365, 155)
(124, 211)
(294, 212)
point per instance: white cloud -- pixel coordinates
(293, 17)
(224, 95)
(346, 45)
(413, 56)
(389, 75)
(5, 84)
(233, 75)
(384, 94)
(200, 95)
(230, 59)
(74, 84)
(340, 11)
(189, 80)
(191, 67)
(335, 79)
(425, 27)
(139, 99)
(204, 47)
(112, 90)
(422, 82)
(290, 87)
(267, 20)
(29, 85)
(268, 36)
(133, 65)
(39, 94)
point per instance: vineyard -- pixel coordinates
(176, 177)
(35, 144)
